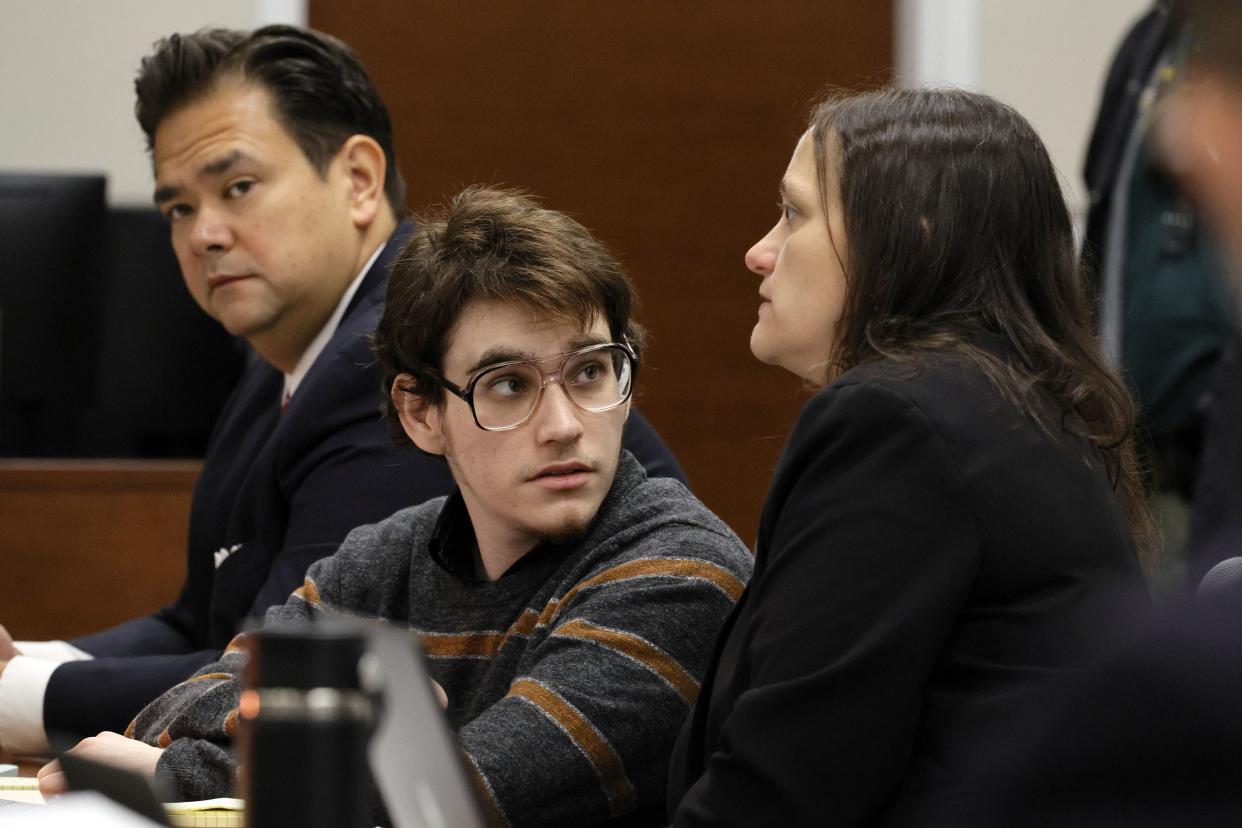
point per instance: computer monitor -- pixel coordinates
(103, 352)
(51, 231)
(165, 368)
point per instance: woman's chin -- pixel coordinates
(760, 349)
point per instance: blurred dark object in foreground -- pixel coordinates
(1152, 737)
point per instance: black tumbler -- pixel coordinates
(306, 719)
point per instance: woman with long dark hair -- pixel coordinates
(957, 505)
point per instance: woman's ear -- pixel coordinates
(419, 418)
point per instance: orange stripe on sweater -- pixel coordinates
(206, 676)
(525, 625)
(477, 644)
(617, 786)
(648, 568)
(461, 645)
(308, 592)
(640, 650)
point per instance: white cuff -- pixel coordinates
(58, 651)
(22, 686)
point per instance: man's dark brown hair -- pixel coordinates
(321, 94)
(492, 244)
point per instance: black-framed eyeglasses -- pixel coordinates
(503, 396)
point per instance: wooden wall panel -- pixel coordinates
(664, 127)
(87, 544)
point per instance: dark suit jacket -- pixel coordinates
(925, 554)
(282, 491)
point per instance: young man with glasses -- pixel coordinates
(566, 602)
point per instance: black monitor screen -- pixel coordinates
(51, 229)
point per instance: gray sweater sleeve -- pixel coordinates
(195, 721)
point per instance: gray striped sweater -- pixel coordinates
(568, 678)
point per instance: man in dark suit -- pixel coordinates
(272, 154)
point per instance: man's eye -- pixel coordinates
(506, 386)
(177, 212)
(238, 188)
(590, 372)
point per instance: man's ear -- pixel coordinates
(365, 167)
(419, 418)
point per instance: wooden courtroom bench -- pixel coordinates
(85, 544)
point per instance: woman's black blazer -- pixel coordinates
(926, 556)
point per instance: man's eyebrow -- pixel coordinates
(214, 167)
(587, 340)
(495, 356)
(166, 193)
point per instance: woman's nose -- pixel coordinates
(761, 258)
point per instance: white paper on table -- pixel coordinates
(74, 810)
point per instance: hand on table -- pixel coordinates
(109, 748)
